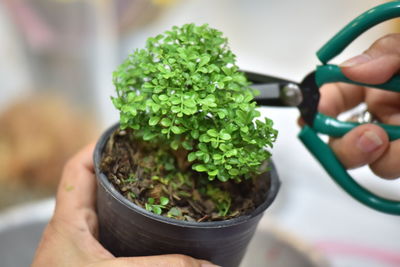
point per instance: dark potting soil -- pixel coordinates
(161, 180)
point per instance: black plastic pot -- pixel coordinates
(129, 230)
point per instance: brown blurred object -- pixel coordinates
(37, 136)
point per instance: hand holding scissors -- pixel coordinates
(377, 68)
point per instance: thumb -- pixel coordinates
(376, 65)
(363, 145)
(160, 261)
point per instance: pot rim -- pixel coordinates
(109, 187)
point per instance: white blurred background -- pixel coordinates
(64, 52)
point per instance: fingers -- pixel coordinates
(339, 97)
(376, 65)
(76, 190)
(368, 144)
(76, 195)
(384, 105)
(387, 166)
(159, 261)
(363, 145)
(69, 238)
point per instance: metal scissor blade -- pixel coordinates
(282, 94)
(268, 94)
(274, 91)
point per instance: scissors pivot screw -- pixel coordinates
(291, 94)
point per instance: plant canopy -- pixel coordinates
(185, 89)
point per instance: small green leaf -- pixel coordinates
(205, 138)
(130, 110)
(177, 130)
(117, 102)
(233, 172)
(223, 178)
(189, 103)
(161, 68)
(195, 134)
(200, 168)
(217, 156)
(157, 209)
(212, 132)
(175, 100)
(150, 200)
(214, 144)
(221, 114)
(163, 97)
(188, 111)
(192, 156)
(175, 109)
(204, 60)
(154, 120)
(175, 144)
(147, 85)
(148, 207)
(213, 173)
(174, 212)
(187, 145)
(164, 201)
(166, 122)
(224, 147)
(206, 158)
(231, 153)
(149, 135)
(225, 136)
(199, 154)
(203, 147)
(155, 107)
(191, 66)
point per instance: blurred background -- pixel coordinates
(56, 64)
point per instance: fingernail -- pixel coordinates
(357, 60)
(209, 265)
(369, 141)
(394, 119)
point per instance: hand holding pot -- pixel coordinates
(368, 143)
(70, 237)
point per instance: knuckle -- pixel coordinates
(388, 42)
(383, 172)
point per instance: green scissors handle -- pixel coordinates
(321, 123)
(336, 128)
(356, 27)
(324, 154)
(331, 73)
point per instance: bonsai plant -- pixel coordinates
(187, 169)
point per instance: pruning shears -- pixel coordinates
(305, 95)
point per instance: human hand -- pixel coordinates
(368, 143)
(70, 237)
